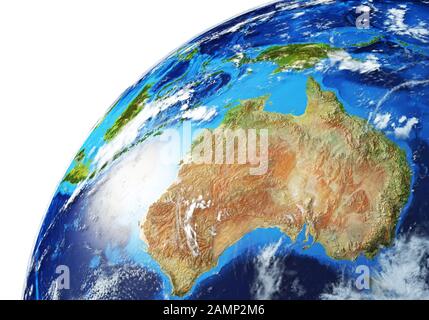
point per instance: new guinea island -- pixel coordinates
(328, 171)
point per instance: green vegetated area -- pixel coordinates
(78, 174)
(129, 114)
(189, 55)
(369, 42)
(238, 114)
(298, 56)
(80, 171)
(80, 156)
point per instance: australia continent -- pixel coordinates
(326, 170)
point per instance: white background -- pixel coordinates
(62, 64)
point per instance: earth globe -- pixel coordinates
(281, 155)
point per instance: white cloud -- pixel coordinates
(404, 132)
(408, 84)
(294, 5)
(269, 272)
(191, 235)
(397, 24)
(202, 113)
(105, 287)
(54, 292)
(381, 121)
(130, 132)
(298, 14)
(402, 276)
(257, 19)
(297, 288)
(120, 199)
(402, 119)
(116, 285)
(346, 62)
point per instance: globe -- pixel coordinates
(281, 155)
